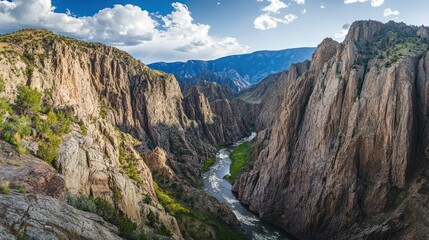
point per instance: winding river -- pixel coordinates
(215, 185)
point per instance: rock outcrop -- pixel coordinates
(41, 217)
(346, 157)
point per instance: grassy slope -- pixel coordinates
(240, 157)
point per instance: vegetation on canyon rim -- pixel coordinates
(34, 117)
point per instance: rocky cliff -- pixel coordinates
(128, 111)
(346, 156)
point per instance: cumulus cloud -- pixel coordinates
(171, 37)
(389, 12)
(344, 30)
(275, 6)
(266, 21)
(269, 18)
(377, 3)
(374, 3)
(121, 24)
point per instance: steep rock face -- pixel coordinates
(219, 120)
(211, 90)
(351, 132)
(261, 103)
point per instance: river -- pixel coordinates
(215, 185)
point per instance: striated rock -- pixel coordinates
(41, 217)
(219, 120)
(337, 161)
(260, 104)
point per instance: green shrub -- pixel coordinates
(163, 230)
(83, 129)
(2, 84)
(48, 148)
(14, 130)
(207, 164)
(106, 210)
(147, 199)
(5, 106)
(387, 64)
(21, 189)
(121, 155)
(169, 203)
(51, 117)
(83, 203)
(64, 124)
(132, 171)
(4, 188)
(117, 195)
(20, 125)
(127, 228)
(152, 218)
(41, 126)
(28, 100)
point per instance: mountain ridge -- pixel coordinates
(242, 70)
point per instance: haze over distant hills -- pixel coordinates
(237, 71)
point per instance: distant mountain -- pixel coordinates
(240, 71)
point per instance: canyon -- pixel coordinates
(340, 153)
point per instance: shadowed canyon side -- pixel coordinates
(129, 126)
(346, 156)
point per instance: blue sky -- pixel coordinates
(161, 30)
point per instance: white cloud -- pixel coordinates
(304, 11)
(289, 18)
(171, 37)
(377, 3)
(322, 6)
(118, 25)
(374, 3)
(344, 30)
(275, 6)
(299, 2)
(266, 21)
(389, 12)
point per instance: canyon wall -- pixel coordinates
(346, 158)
